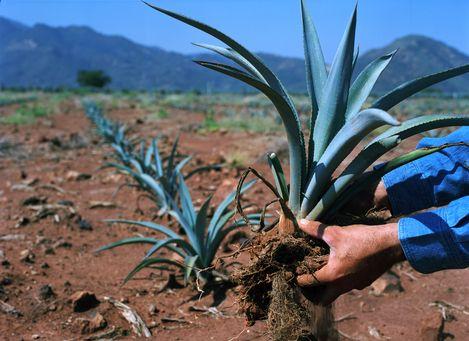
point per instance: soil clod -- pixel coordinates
(83, 301)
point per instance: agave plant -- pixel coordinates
(204, 235)
(338, 122)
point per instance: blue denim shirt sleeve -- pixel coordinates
(437, 239)
(434, 180)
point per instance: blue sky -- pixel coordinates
(262, 25)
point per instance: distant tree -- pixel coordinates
(93, 78)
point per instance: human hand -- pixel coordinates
(359, 254)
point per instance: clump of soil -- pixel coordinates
(268, 288)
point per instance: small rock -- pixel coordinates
(153, 309)
(6, 263)
(45, 266)
(76, 176)
(432, 327)
(86, 326)
(83, 301)
(12, 237)
(46, 292)
(35, 336)
(387, 283)
(2, 254)
(65, 203)
(23, 221)
(6, 281)
(27, 256)
(34, 200)
(62, 243)
(84, 225)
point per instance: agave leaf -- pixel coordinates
(288, 113)
(224, 206)
(158, 161)
(187, 206)
(410, 88)
(201, 222)
(367, 179)
(147, 224)
(316, 73)
(224, 219)
(182, 164)
(356, 167)
(362, 86)
(128, 241)
(147, 263)
(220, 236)
(215, 166)
(148, 156)
(189, 267)
(341, 146)
(236, 57)
(355, 58)
(167, 242)
(279, 176)
(296, 142)
(378, 147)
(172, 158)
(187, 227)
(331, 115)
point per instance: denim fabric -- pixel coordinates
(437, 239)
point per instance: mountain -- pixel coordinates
(416, 56)
(44, 56)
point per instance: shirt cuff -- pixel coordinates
(427, 243)
(408, 191)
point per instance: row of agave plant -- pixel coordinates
(162, 178)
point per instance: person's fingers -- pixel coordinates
(320, 277)
(315, 229)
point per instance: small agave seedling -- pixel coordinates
(204, 235)
(338, 125)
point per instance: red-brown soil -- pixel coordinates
(64, 258)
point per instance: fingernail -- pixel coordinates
(303, 222)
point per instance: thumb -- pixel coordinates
(315, 229)
(322, 276)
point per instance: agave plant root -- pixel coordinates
(268, 289)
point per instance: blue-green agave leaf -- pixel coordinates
(296, 142)
(189, 263)
(236, 57)
(288, 114)
(223, 206)
(147, 263)
(128, 241)
(367, 179)
(166, 243)
(201, 222)
(378, 147)
(340, 147)
(410, 88)
(331, 115)
(362, 86)
(279, 176)
(147, 224)
(316, 73)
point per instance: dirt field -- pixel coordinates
(46, 256)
